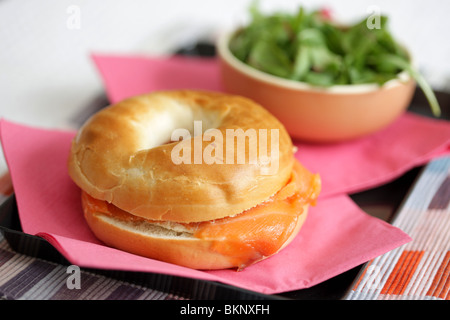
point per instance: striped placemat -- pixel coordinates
(28, 278)
(419, 269)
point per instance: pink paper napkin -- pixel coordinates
(373, 160)
(336, 237)
(125, 76)
(346, 167)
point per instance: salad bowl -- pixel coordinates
(325, 82)
(315, 114)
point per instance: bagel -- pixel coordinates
(201, 179)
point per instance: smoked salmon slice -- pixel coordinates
(262, 231)
(254, 234)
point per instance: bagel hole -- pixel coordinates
(159, 130)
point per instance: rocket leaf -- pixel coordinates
(309, 47)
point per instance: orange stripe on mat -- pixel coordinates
(403, 271)
(441, 283)
(362, 276)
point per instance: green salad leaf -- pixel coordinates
(309, 47)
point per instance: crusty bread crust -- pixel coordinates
(119, 156)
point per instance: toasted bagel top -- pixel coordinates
(124, 155)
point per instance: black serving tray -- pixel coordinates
(382, 202)
(332, 289)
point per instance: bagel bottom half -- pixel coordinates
(231, 242)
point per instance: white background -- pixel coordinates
(46, 75)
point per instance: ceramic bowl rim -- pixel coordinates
(225, 54)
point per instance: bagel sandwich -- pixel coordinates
(200, 179)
